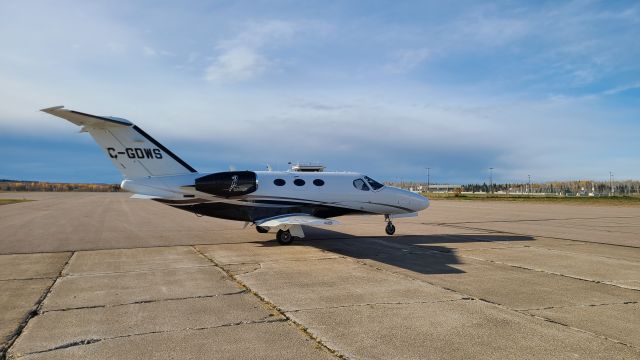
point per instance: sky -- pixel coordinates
(547, 89)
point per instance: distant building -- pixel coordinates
(443, 188)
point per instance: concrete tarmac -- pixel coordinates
(95, 275)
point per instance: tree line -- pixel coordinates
(577, 187)
(9, 185)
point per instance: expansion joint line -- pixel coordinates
(455, 226)
(524, 312)
(274, 308)
(504, 307)
(34, 311)
(379, 304)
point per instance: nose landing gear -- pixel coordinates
(390, 229)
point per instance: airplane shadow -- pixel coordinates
(419, 253)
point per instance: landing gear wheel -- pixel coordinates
(390, 229)
(284, 237)
(262, 230)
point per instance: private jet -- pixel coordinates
(279, 201)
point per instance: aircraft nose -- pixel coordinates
(420, 202)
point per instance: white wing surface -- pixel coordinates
(295, 219)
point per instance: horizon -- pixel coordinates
(546, 89)
(409, 182)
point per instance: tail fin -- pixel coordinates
(133, 151)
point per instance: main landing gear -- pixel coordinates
(284, 237)
(390, 229)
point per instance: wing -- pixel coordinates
(295, 219)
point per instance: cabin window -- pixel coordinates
(360, 185)
(318, 182)
(298, 182)
(279, 182)
(374, 184)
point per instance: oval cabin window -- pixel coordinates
(298, 182)
(279, 182)
(318, 182)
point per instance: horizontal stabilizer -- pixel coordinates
(82, 119)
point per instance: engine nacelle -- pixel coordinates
(228, 184)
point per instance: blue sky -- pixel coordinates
(550, 89)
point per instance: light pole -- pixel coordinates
(529, 184)
(610, 183)
(491, 180)
(428, 178)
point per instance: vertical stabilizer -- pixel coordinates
(134, 152)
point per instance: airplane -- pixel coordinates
(280, 201)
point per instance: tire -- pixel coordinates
(284, 237)
(390, 229)
(262, 230)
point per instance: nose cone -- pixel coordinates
(419, 202)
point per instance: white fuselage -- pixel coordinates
(334, 189)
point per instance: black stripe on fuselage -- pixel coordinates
(257, 198)
(289, 202)
(156, 143)
(254, 213)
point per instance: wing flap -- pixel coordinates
(296, 219)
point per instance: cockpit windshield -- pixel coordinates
(374, 184)
(360, 185)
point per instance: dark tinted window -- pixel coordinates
(374, 184)
(360, 185)
(279, 182)
(318, 182)
(298, 182)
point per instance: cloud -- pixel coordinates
(405, 60)
(322, 83)
(149, 51)
(241, 57)
(621, 89)
(236, 64)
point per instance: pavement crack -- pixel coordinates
(68, 345)
(581, 305)
(135, 271)
(35, 310)
(328, 257)
(83, 342)
(147, 301)
(380, 303)
(533, 220)
(578, 329)
(31, 278)
(502, 306)
(604, 282)
(459, 253)
(452, 225)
